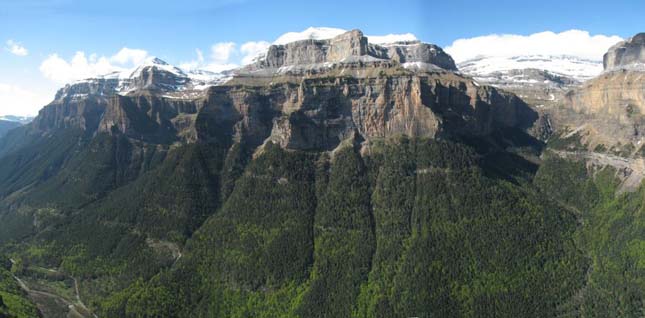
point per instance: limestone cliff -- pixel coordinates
(349, 47)
(357, 90)
(627, 53)
(609, 110)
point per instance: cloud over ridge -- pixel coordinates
(576, 43)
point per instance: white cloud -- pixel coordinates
(226, 55)
(194, 64)
(323, 33)
(15, 100)
(221, 56)
(16, 48)
(252, 50)
(61, 71)
(127, 55)
(573, 42)
(79, 67)
(221, 52)
(315, 33)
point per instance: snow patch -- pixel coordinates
(570, 66)
(420, 66)
(391, 38)
(312, 33)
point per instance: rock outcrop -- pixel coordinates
(352, 46)
(627, 53)
(608, 112)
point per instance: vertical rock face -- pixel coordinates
(153, 79)
(325, 112)
(608, 111)
(353, 45)
(77, 113)
(363, 91)
(319, 112)
(306, 52)
(417, 52)
(629, 52)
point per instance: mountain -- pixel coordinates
(613, 102)
(628, 53)
(6, 126)
(332, 177)
(19, 119)
(571, 67)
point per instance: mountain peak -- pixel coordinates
(629, 53)
(159, 64)
(154, 61)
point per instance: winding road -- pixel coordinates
(37, 296)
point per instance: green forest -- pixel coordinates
(414, 228)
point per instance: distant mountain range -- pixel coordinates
(6, 126)
(563, 66)
(9, 122)
(18, 119)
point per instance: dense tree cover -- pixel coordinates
(456, 243)
(57, 175)
(344, 239)
(417, 229)
(247, 258)
(98, 215)
(409, 228)
(612, 235)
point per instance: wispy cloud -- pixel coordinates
(251, 50)
(573, 42)
(16, 48)
(226, 55)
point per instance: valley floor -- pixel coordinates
(54, 298)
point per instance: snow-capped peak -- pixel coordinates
(157, 63)
(154, 74)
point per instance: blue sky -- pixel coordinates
(174, 30)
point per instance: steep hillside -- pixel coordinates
(6, 126)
